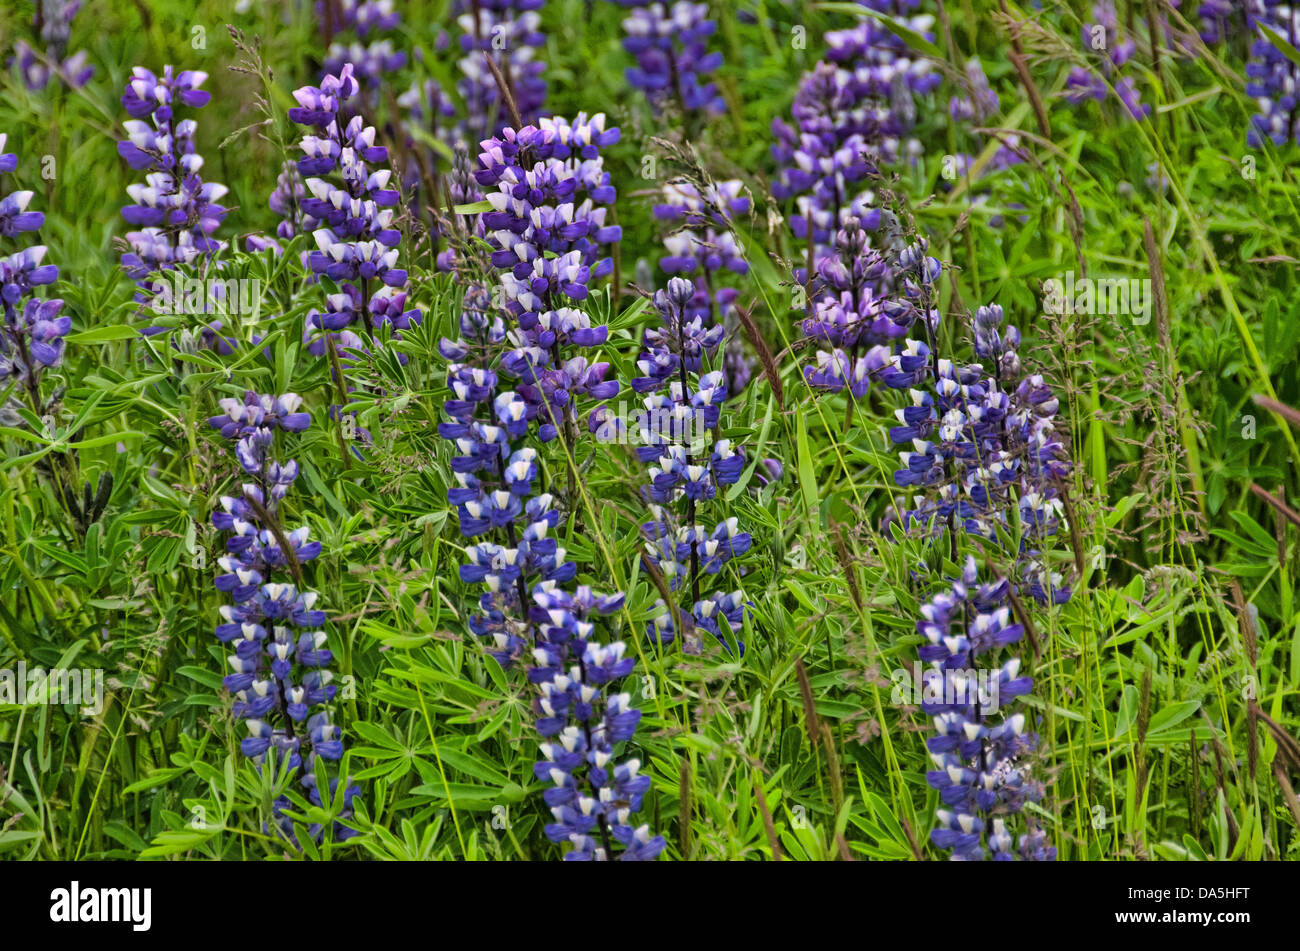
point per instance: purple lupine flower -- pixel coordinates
(847, 311)
(1221, 19)
(670, 43)
(979, 101)
(286, 201)
(31, 337)
(976, 104)
(360, 16)
(428, 107)
(279, 681)
(984, 460)
(548, 190)
(983, 441)
(704, 241)
(23, 270)
(426, 103)
(370, 56)
(686, 464)
(505, 31)
(547, 186)
(14, 216)
(54, 19)
(32, 342)
(979, 751)
(176, 211)
(1273, 80)
(1103, 37)
(508, 31)
(582, 722)
(525, 610)
(704, 247)
(356, 242)
(852, 115)
(860, 326)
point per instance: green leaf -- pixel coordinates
(807, 480)
(1173, 714)
(209, 678)
(909, 36)
(1278, 40)
(104, 334)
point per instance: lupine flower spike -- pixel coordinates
(526, 610)
(852, 115)
(548, 229)
(351, 203)
(508, 32)
(979, 750)
(363, 22)
(687, 465)
(54, 20)
(1273, 79)
(31, 339)
(984, 457)
(670, 43)
(175, 210)
(704, 247)
(280, 680)
(1102, 35)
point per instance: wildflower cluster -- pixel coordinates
(500, 33)
(1273, 79)
(687, 465)
(851, 115)
(527, 610)
(1221, 19)
(670, 43)
(854, 321)
(32, 336)
(356, 243)
(371, 58)
(1103, 36)
(175, 210)
(53, 24)
(983, 441)
(703, 247)
(704, 241)
(286, 201)
(279, 677)
(427, 106)
(977, 103)
(508, 32)
(978, 753)
(984, 460)
(548, 189)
